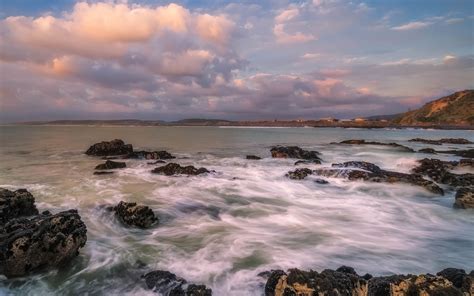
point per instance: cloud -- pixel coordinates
(454, 20)
(283, 37)
(412, 26)
(311, 56)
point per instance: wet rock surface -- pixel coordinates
(167, 283)
(295, 152)
(464, 198)
(114, 147)
(150, 155)
(459, 141)
(439, 171)
(364, 142)
(135, 215)
(253, 157)
(299, 162)
(361, 170)
(427, 150)
(103, 173)
(14, 204)
(469, 153)
(110, 165)
(346, 282)
(176, 169)
(30, 244)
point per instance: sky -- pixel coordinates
(242, 60)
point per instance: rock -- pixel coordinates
(466, 162)
(156, 162)
(103, 173)
(110, 165)
(308, 283)
(27, 245)
(253, 157)
(351, 170)
(438, 170)
(427, 150)
(458, 277)
(167, 283)
(459, 141)
(462, 153)
(364, 142)
(150, 155)
(412, 285)
(294, 152)
(115, 147)
(464, 198)
(299, 174)
(14, 204)
(175, 169)
(135, 215)
(320, 181)
(315, 161)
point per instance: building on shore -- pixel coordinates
(329, 119)
(360, 119)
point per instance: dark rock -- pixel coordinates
(103, 173)
(359, 165)
(156, 162)
(110, 165)
(314, 161)
(458, 277)
(253, 157)
(299, 174)
(175, 169)
(427, 150)
(135, 215)
(27, 245)
(14, 204)
(115, 147)
(466, 162)
(460, 141)
(167, 283)
(294, 152)
(364, 142)
(328, 282)
(347, 269)
(412, 285)
(464, 198)
(351, 170)
(438, 170)
(320, 181)
(462, 153)
(150, 155)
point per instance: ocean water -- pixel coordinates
(225, 228)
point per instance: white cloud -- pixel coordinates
(412, 26)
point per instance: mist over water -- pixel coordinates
(224, 228)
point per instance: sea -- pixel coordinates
(225, 228)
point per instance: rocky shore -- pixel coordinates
(31, 241)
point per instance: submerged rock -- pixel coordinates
(167, 283)
(315, 161)
(438, 170)
(27, 245)
(150, 155)
(103, 173)
(295, 152)
(114, 147)
(135, 215)
(469, 153)
(156, 162)
(427, 150)
(176, 169)
(253, 157)
(321, 181)
(464, 198)
(110, 165)
(361, 170)
(364, 142)
(14, 204)
(459, 141)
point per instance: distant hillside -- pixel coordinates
(455, 109)
(201, 121)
